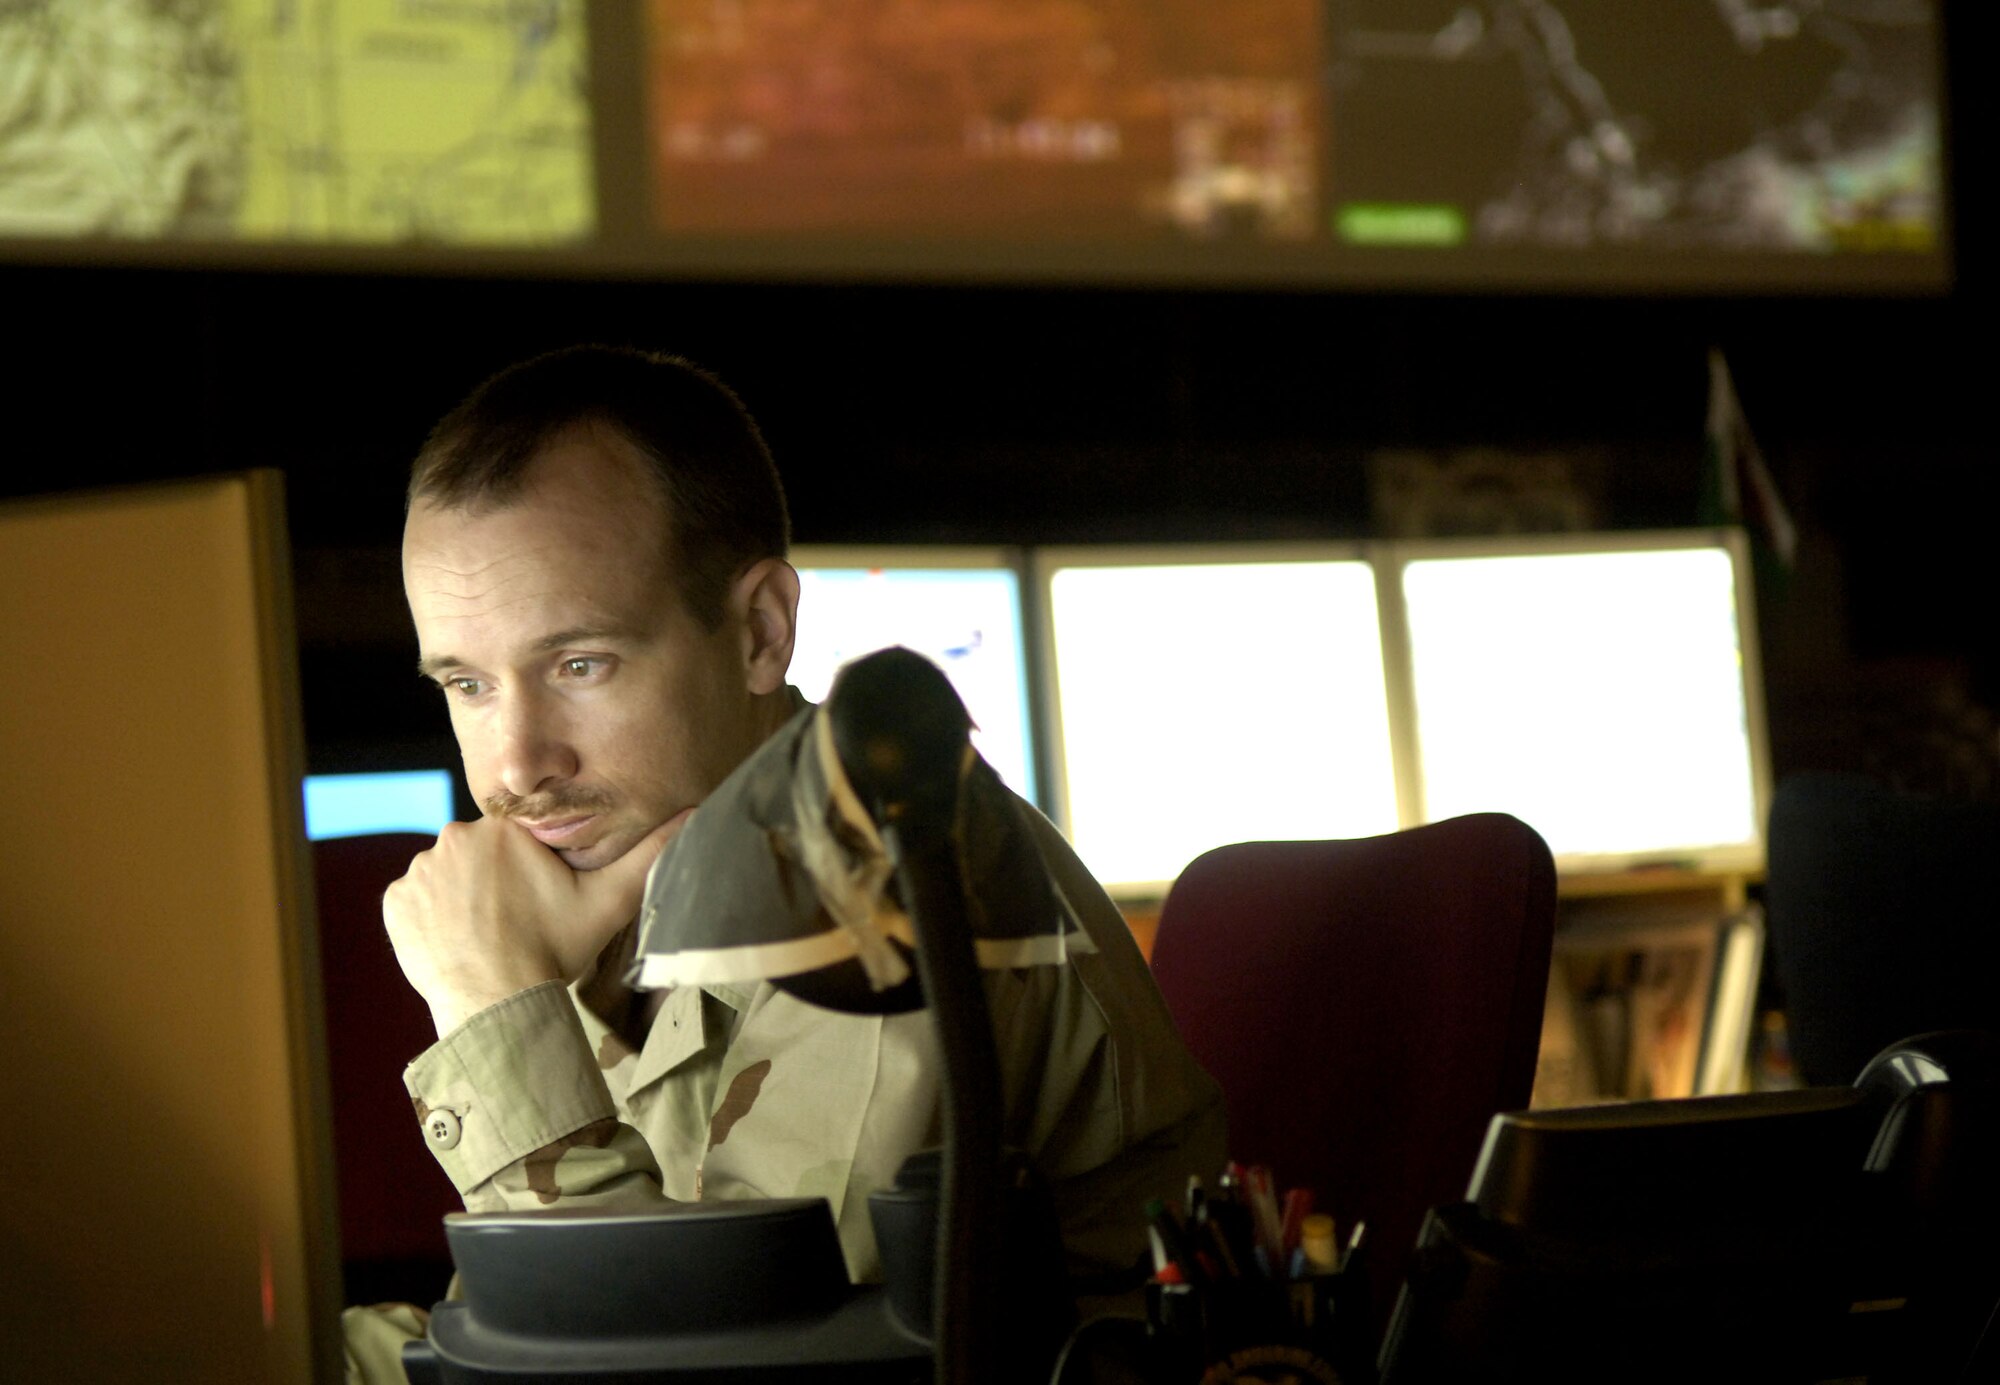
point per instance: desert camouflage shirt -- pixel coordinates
(601, 1095)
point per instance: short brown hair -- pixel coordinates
(724, 504)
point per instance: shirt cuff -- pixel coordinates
(511, 1079)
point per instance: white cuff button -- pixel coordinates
(441, 1129)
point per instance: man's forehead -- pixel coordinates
(583, 475)
(529, 602)
(533, 566)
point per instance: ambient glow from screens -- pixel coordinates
(965, 620)
(1209, 703)
(1599, 697)
(354, 805)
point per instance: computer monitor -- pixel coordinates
(360, 804)
(169, 1207)
(959, 607)
(1379, 145)
(1202, 695)
(1603, 688)
(1649, 1241)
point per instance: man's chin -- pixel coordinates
(594, 857)
(614, 846)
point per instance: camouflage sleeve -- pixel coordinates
(372, 1339)
(514, 1107)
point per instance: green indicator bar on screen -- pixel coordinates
(1399, 223)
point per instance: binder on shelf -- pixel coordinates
(1732, 1004)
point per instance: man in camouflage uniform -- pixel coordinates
(594, 559)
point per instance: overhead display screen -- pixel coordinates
(311, 121)
(1707, 144)
(1685, 125)
(1543, 125)
(1092, 119)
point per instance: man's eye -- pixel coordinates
(579, 668)
(461, 687)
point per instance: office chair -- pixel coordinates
(1884, 916)
(1934, 1156)
(393, 1196)
(1367, 1006)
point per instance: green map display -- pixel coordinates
(450, 121)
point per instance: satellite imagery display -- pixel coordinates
(296, 120)
(1729, 125)
(1720, 124)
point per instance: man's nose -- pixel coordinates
(534, 750)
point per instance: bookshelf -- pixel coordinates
(1652, 986)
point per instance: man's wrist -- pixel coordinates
(453, 1012)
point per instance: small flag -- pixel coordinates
(1742, 488)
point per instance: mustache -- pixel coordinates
(551, 803)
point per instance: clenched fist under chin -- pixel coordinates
(489, 911)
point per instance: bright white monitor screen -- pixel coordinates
(964, 618)
(353, 805)
(1600, 697)
(1207, 702)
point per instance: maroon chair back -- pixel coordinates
(393, 1196)
(1367, 1007)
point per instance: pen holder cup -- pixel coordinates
(1247, 1330)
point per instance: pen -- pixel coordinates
(1211, 1230)
(1264, 1220)
(1298, 1202)
(1231, 1219)
(1178, 1251)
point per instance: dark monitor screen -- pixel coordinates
(1649, 1241)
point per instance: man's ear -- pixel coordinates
(767, 595)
